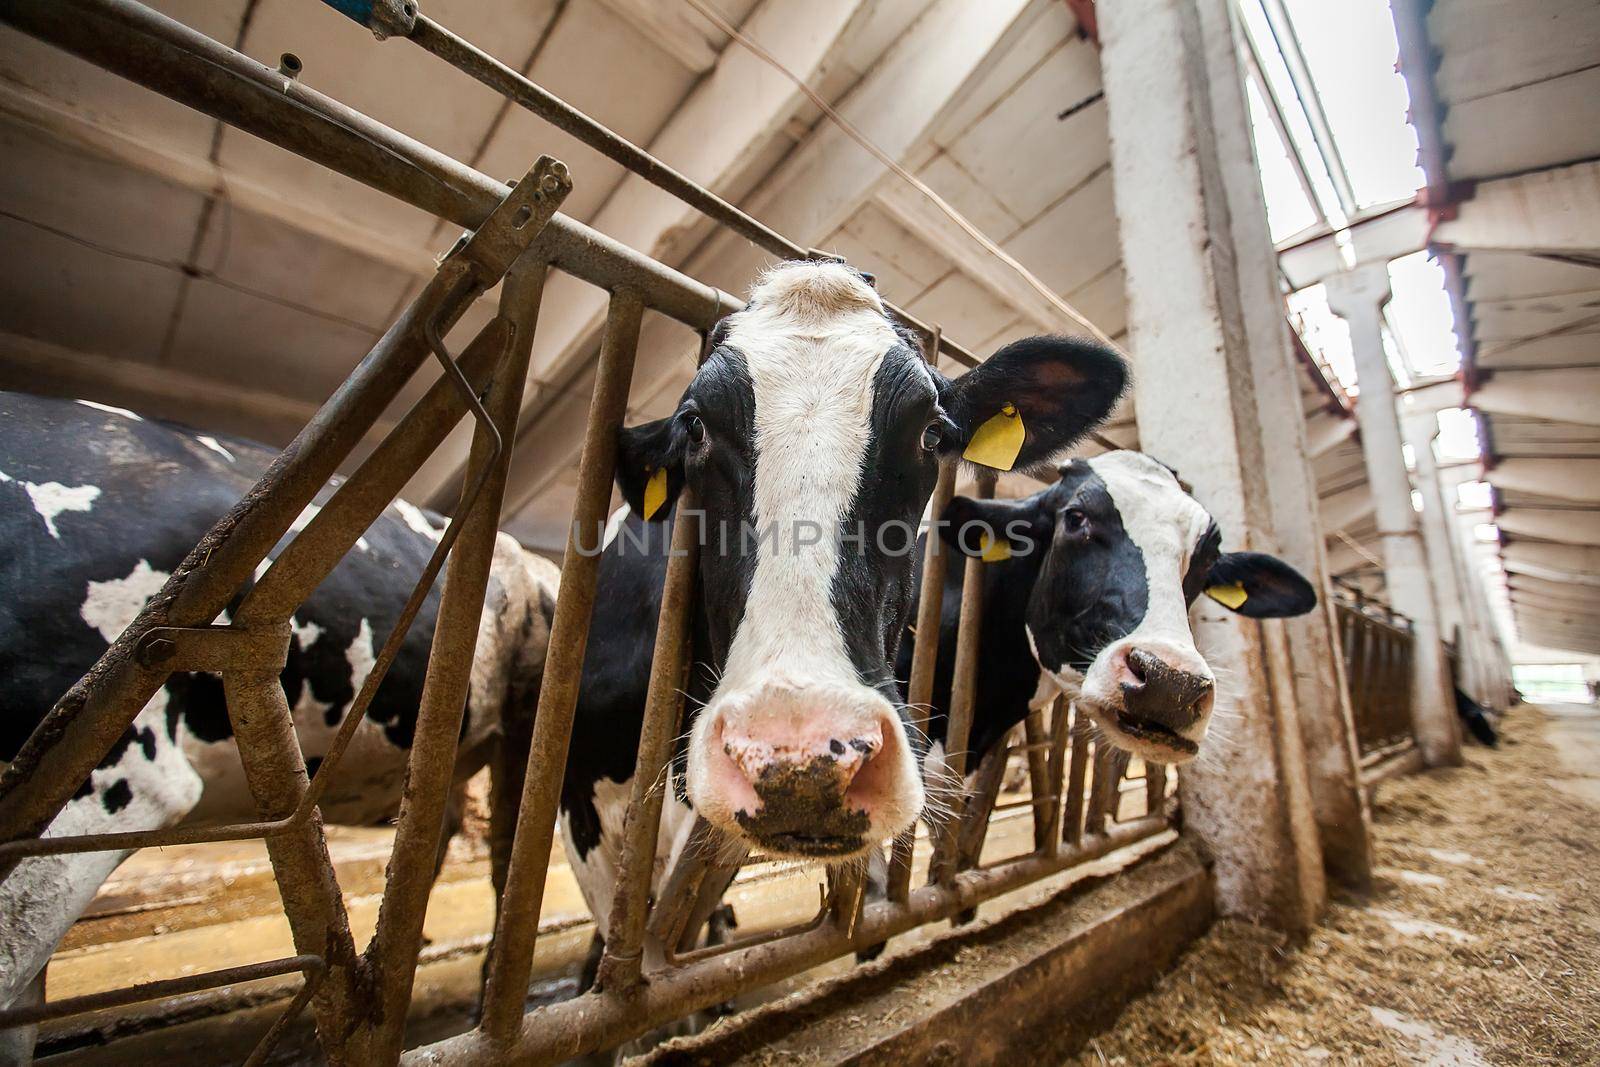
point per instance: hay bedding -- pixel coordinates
(1480, 942)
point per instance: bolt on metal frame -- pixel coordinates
(360, 998)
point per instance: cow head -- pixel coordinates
(811, 437)
(1116, 551)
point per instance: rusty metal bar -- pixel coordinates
(1039, 785)
(1060, 716)
(167, 987)
(974, 827)
(963, 694)
(518, 926)
(280, 1026)
(620, 967)
(924, 656)
(1077, 771)
(430, 772)
(1105, 799)
(1155, 787)
(571, 1028)
(276, 773)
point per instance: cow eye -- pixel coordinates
(695, 429)
(1075, 521)
(932, 436)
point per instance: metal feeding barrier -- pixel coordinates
(360, 998)
(1379, 649)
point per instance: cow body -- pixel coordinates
(97, 507)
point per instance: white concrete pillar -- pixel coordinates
(1327, 724)
(1358, 297)
(1196, 405)
(1419, 427)
(1492, 664)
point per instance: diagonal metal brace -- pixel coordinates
(215, 648)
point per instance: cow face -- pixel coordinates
(1118, 550)
(811, 438)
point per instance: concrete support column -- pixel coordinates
(1196, 405)
(1419, 427)
(1358, 297)
(1492, 675)
(1327, 724)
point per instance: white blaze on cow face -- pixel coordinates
(790, 701)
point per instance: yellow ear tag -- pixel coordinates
(998, 441)
(1229, 596)
(655, 493)
(993, 551)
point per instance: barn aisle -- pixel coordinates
(1480, 942)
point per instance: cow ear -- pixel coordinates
(1259, 586)
(650, 466)
(994, 530)
(1032, 399)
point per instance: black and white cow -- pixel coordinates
(97, 506)
(1093, 602)
(811, 438)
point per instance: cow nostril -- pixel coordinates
(1141, 664)
(836, 746)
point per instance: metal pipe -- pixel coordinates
(963, 694)
(167, 987)
(516, 930)
(924, 656)
(1038, 774)
(1077, 771)
(571, 1028)
(431, 770)
(1060, 715)
(276, 774)
(663, 711)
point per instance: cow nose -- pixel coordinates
(803, 790)
(1162, 694)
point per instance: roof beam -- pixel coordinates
(1560, 395)
(1544, 212)
(933, 227)
(811, 193)
(1580, 563)
(1561, 479)
(670, 28)
(1549, 524)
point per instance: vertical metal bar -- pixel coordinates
(1060, 716)
(622, 963)
(1076, 773)
(430, 772)
(93, 714)
(1033, 730)
(276, 772)
(517, 928)
(975, 820)
(924, 657)
(963, 692)
(1109, 764)
(1155, 787)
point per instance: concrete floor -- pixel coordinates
(1574, 731)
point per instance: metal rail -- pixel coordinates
(360, 999)
(1378, 649)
